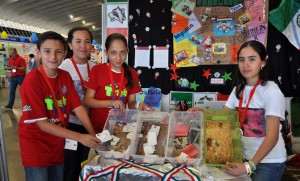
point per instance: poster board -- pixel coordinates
(224, 26)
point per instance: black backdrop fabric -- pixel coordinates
(284, 58)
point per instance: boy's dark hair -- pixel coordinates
(127, 73)
(240, 80)
(31, 55)
(71, 36)
(50, 35)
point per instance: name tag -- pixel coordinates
(71, 144)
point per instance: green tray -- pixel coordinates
(225, 116)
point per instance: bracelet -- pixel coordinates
(252, 165)
(248, 168)
(137, 105)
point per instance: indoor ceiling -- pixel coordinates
(55, 14)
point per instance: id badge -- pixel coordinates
(14, 70)
(71, 144)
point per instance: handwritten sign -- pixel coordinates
(153, 97)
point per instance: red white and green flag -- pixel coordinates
(286, 18)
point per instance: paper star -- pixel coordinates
(226, 76)
(173, 67)
(193, 85)
(174, 76)
(206, 73)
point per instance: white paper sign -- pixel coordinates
(142, 57)
(160, 57)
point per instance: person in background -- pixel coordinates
(113, 84)
(80, 45)
(260, 105)
(48, 98)
(17, 67)
(32, 62)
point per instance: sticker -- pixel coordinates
(148, 15)
(130, 17)
(134, 38)
(14, 70)
(138, 11)
(278, 47)
(147, 29)
(186, 10)
(180, 56)
(217, 81)
(245, 19)
(208, 54)
(163, 27)
(240, 28)
(156, 75)
(235, 8)
(183, 82)
(208, 41)
(224, 28)
(204, 17)
(196, 39)
(196, 60)
(219, 48)
(139, 72)
(217, 74)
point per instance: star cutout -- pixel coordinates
(206, 73)
(173, 67)
(226, 76)
(193, 85)
(174, 76)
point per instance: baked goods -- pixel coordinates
(120, 141)
(218, 142)
(153, 139)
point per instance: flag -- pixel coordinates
(286, 18)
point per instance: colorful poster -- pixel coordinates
(221, 27)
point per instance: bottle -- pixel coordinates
(184, 106)
(179, 107)
(172, 106)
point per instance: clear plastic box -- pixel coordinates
(117, 116)
(148, 119)
(218, 119)
(194, 120)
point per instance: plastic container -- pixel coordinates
(119, 117)
(215, 139)
(193, 140)
(147, 119)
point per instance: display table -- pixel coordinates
(100, 168)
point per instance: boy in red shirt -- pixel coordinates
(48, 97)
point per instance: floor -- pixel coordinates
(10, 121)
